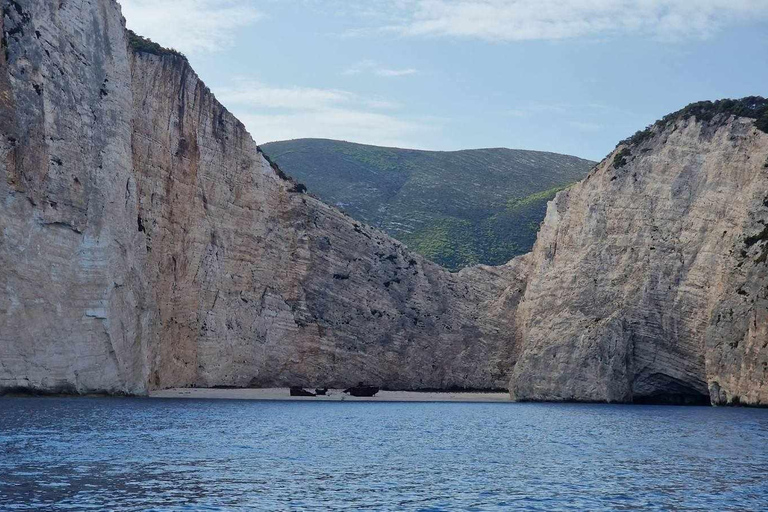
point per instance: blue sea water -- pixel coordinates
(151, 454)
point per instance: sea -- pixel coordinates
(213, 455)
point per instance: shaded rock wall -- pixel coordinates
(258, 285)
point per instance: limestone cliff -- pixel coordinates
(649, 277)
(146, 241)
(73, 312)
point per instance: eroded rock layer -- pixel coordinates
(73, 312)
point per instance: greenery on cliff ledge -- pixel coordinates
(620, 160)
(456, 208)
(752, 107)
(145, 45)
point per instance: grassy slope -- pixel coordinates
(456, 208)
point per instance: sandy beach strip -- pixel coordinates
(334, 395)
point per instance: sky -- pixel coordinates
(569, 76)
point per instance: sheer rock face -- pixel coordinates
(147, 243)
(257, 285)
(649, 280)
(72, 314)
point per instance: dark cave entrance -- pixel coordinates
(660, 389)
(692, 398)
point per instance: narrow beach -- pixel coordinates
(334, 395)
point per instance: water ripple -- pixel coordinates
(163, 455)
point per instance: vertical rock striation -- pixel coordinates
(254, 283)
(71, 308)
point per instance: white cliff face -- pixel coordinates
(255, 284)
(147, 243)
(70, 308)
(646, 285)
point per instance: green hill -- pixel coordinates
(457, 208)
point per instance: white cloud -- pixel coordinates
(191, 26)
(370, 66)
(258, 95)
(337, 123)
(382, 104)
(586, 127)
(396, 72)
(518, 20)
(277, 113)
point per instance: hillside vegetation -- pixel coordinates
(456, 208)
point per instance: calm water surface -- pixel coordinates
(142, 454)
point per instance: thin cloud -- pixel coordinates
(255, 94)
(396, 72)
(372, 67)
(278, 113)
(586, 127)
(581, 117)
(191, 26)
(520, 20)
(258, 95)
(337, 123)
(516, 112)
(564, 109)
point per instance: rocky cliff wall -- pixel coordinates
(147, 242)
(649, 280)
(258, 285)
(71, 308)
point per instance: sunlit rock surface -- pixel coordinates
(649, 280)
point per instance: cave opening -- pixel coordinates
(692, 398)
(661, 389)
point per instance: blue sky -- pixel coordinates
(570, 76)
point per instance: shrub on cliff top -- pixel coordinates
(753, 107)
(145, 45)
